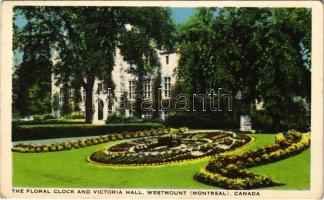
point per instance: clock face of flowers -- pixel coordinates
(169, 148)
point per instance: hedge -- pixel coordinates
(49, 121)
(34, 132)
(197, 121)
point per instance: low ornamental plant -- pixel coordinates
(228, 171)
(31, 148)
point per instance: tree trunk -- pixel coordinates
(66, 107)
(138, 97)
(89, 100)
(139, 91)
(156, 95)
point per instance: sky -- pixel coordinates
(180, 15)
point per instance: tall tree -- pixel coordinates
(254, 54)
(31, 78)
(285, 73)
(85, 39)
(197, 61)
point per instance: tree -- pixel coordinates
(197, 61)
(285, 73)
(31, 78)
(56, 104)
(156, 95)
(240, 48)
(84, 39)
(252, 53)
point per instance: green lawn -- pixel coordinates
(70, 169)
(294, 171)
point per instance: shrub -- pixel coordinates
(67, 146)
(52, 148)
(41, 118)
(75, 115)
(94, 141)
(88, 142)
(122, 119)
(48, 116)
(64, 121)
(100, 140)
(33, 132)
(45, 149)
(261, 121)
(279, 138)
(82, 143)
(37, 118)
(231, 168)
(40, 121)
(59, 147)
(293, 136)
(298, 119)
(195, 121)
(235, 183)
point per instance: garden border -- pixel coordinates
(217, 171)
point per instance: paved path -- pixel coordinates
(50, 141)
(59, 140)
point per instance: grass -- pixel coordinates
(69, 169)
(294, 172)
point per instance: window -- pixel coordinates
(167, 59)
(131, 113)
(83, 95)
(147, 89)
(71, 93)
(99, 89)
(61, 95)
(131, 90)
(147, 115)
(167, 87)
(166, 114)
(110, 104)
(131, 66)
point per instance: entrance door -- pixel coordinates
(100, 109)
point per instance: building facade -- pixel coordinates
(107, 102)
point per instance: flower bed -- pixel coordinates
(228, 171)
(174, 146)
(35, 148)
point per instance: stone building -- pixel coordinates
(105, 104)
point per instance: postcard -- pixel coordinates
(161, 99)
